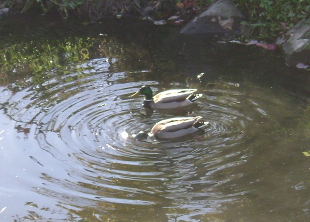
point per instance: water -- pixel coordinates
(67, 152)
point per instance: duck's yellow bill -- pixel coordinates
(134, 94)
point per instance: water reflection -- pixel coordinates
(69, 153)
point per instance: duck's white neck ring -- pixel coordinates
(148, 100)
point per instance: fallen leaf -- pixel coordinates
(227, 23)
(160, 22)
(302, 66)
(180, 5)
(252, 42)
(306, 153)
(174, 17)
(189, 3)
(85, 23)
(267, 46)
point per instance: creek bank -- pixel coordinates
(28, 29)
(222, 21)
(295, 44)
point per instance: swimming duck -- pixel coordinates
(169, 99)
(174, 128)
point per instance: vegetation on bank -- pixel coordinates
(265, 19)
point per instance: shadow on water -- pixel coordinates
(67, 119)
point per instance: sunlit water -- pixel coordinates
(67, 151)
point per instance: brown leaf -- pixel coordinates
(227, 23)
(180, 5)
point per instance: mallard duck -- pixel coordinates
(174, 128)
(169, 99)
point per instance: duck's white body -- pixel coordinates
(169, 99)
(173, 98)
(177, 127)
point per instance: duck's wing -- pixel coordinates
(176, 134)
(174, 124)
(173, 95)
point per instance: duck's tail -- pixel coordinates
(194, 96)
(201, 124)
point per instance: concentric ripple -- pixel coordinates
(84, 121)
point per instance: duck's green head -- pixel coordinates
(147, 91)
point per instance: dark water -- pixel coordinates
(67, 118)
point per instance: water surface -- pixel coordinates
(67, 151)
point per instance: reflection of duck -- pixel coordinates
(169, 99)
(174, 128)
